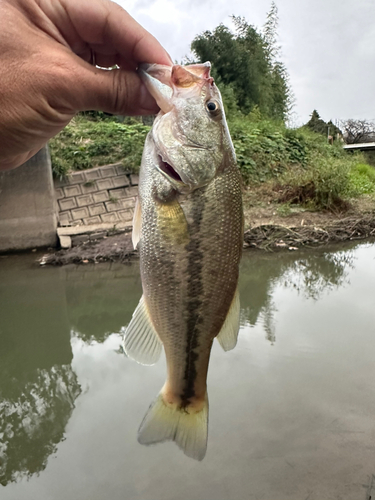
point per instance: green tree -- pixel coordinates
(246, 62)
(316, 124)
(281, 99)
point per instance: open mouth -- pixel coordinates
(169, 170)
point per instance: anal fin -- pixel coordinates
(228, 334)
(141, 342)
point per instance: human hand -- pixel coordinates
(46, 48)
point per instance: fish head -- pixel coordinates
(190, 133)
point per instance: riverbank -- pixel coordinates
(267, 228)
(299, 191)
(270, 226)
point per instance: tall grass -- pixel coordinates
(302, 167)
(362, 180)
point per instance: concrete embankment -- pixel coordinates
(28, 212)
(86, 205)
(95, 203)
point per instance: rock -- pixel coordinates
(65, 241)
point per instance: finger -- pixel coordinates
(116, 91)
(103, 60)
(99, 22)
(11, 162)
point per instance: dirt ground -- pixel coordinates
(268, 226)
(261, 207)
(118, 247)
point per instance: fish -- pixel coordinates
(188, 226)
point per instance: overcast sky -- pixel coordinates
(328, 46)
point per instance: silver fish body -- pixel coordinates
(190, 242)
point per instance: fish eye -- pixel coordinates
(212, 106)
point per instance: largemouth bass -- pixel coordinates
(189, 225)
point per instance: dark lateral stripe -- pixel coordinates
(194, 292)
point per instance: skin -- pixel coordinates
(46, 70)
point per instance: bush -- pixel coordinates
(303, 167)
(320, 186)
(264, 149)
(85, 143)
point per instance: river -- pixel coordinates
(292, 407)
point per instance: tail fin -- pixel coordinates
(166, 423)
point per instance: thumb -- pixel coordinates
(114, 91)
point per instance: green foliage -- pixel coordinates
(322, 185)
(302, 166)
(325, 180)
(361, 180)
(284, 210)
(97, 115)
(85, 144)
(228, 95)
(264, 149)
(246, 61)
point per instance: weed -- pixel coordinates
(284, 210)
(361, 180)
(85, 144)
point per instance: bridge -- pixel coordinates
(361, 146)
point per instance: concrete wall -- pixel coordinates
(100, 195)
(28, 212)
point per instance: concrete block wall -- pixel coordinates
(101, 195)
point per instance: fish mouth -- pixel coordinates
(169, 171)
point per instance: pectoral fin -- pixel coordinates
(228, 334)
(137, 224)
(141, 342)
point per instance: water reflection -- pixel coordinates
(101, 299)
(42, 308)
(33, 419)
(310, 273)
(319, 274)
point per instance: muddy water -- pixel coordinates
(292, 408)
